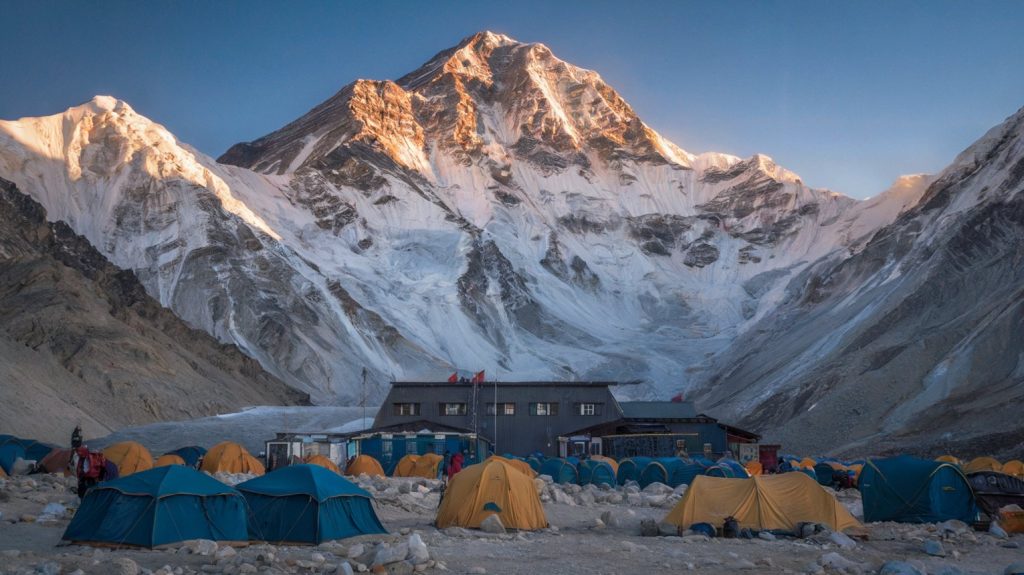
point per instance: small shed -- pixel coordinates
(289, 448)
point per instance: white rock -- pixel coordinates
(225, 552)
(123, 566)
(842, 540)
(492, 524)
(418, 552)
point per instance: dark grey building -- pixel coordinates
(658, 429)
(516, 417)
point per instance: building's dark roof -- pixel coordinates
(416, 427)
(506, 384)
(658, 410)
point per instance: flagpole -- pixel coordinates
(495, 416)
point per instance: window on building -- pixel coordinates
(407, 408)
(549, 408)
(589, 408)
(501, 408)
(452, 409)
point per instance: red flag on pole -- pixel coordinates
(479, 377)
(453, 377)
(677, 398)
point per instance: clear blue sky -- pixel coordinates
(847, 94)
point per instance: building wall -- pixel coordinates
(518, 434)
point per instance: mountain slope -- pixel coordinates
(913, 342)
(81, 341)
(495, 209)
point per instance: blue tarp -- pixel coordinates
(307, 504)
(160, 506)
(911, 490)
(190, 454)
(560, 470)
(630, 468)
(671, 471)
(596, 472)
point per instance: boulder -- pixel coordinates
(611, 519)
(657, 489)
(996, 530)
(386, 554)
(123, 566)
(648, 528)
(668, 530)
(1014, 569)
(225, 552)
(842, 540)
(900, 568)
(954, 527)
(418, 552)
(355, 550)
(766, 535)
(837, 562)
(204, 547)
(492, 524)
(933, 548)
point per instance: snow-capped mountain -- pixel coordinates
(916, 341)
(495, 209)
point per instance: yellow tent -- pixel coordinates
(520, 466)
(1015, 468)
(129, 457)
(761, 502)
(983, 464)
(365, 464)
(753, 467)
(948, 459)
(491, 487)
(169, 459)
(405, 466)
(322, 462)
(807, 463)
(856, 468)
(230, 457)
(2, 472)
(608, 460)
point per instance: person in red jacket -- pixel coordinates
(456, 464)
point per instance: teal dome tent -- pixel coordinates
(630, 468)
(911, 490)
(157, 507)
(307, 504)
(560, 470)
(596, 472)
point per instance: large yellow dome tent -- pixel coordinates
(517, 464)
(230, 457)
(322, 461)
(129, 457)
(983, 464)
(764, 502)
(491, 487)
(948, 459)
(1014, 468)
(169, 459)
(365, 464)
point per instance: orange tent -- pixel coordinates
(57, 461)
(490, 488)
(129, 456)
(322, 461)
(2, 472)
(230, 457)
(608, 460)
(1014, 468)
(807, 463)
(169, 459)
(948, 459)
(983, 464)
(754, 467)
(418, 466)
(520, 466)
(405, 466)
(365, 464)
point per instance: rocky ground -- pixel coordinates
(593, 530)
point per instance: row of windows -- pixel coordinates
(535, 408)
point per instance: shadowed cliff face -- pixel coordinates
(82, 342)
(915, 342)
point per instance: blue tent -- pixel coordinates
(596, 472)
(671, 471)
(911, 490)
(535, 463)
(735, 467)
(9, 453)
(307, 504)
(825, 473)
(560, 470)
(160, 506)
(630, 468)
(190, 454)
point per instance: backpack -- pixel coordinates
(90, 466)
